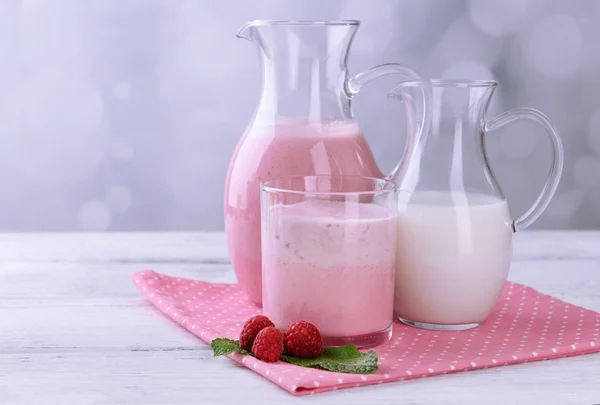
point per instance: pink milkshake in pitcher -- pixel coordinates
(289, 148)
(303, 126)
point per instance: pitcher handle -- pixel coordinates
(354, 84)
(549, 188)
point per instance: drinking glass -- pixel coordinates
(329, 255)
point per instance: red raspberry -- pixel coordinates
(251, 328)
(303, 339)
(268, 344)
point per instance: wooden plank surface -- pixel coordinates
(74, 330)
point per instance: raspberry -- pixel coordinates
(268, 344)
(303, 339)
(251, 328)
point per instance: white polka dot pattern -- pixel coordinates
(525, 326)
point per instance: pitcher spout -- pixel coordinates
(246, 31)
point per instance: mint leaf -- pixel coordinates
(342, 359)
(222, 347)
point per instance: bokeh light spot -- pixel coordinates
(593, 135)
(94, 216)
(497, 18)
(53, 130)
(118, 198)
(586, 171)
(120, 148)
(122, 91)
(553, 46)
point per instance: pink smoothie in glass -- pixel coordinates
(291, 147)
(332, 264)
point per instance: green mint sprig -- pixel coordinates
(223, 347)
(342, 359)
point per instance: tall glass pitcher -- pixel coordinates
(303, 125)
(455, 230)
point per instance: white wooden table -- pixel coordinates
(74, 330)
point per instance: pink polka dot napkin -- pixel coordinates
(524, 326)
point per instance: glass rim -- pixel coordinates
(450, 83)
(262, 23)
(389, 186)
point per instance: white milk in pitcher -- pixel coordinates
(453, 257)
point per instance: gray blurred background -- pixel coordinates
(123, 114)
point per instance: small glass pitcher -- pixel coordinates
(303, 125)
(455, 230)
